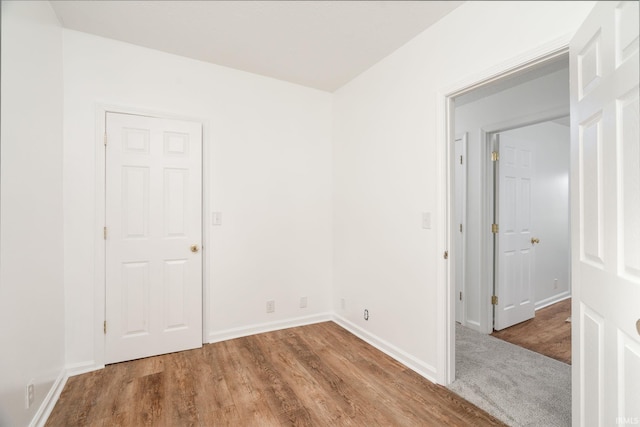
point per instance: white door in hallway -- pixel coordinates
(153, 236)
(514, 286)
(605, 192)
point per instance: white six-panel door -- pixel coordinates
(605, 191)
(515, 249)
(153, 236)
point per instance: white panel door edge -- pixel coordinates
(153, 236)
(605, 193)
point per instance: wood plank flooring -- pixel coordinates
(316, 375)
(548, 333)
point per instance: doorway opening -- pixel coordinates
(604, 209)
(516, 138)
(529, 112)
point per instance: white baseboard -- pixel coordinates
(245, 331)
(50, 400)
(552, 300)
(424, 369)
(82, 368)
(472, 324)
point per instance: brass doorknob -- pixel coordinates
(194, 248)
(534, 240)
(638, 326)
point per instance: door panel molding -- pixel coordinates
(591, 363)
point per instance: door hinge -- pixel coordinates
(460, 159)
(104, 327)
(446, 254)
(495, 156)
(460, 295)
(461, 228)
(494, 300)
(494, 228)
(105, 139)
(104, 232)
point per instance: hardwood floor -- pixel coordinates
(316, 375)
(548, 333)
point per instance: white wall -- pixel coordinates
(269, 166)
(521, 102)
(31, 242)
(386, 167)
(549, 207)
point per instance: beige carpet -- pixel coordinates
(516, 385)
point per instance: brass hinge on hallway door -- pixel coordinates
(104, 327)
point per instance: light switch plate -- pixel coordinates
(216, 218)
(426, 220)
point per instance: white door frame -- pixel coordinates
(99, 215)
(461, 299)
(446, 136)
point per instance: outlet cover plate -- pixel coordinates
(29, 395)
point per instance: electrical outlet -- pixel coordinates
(29, 395)
(555, 283)
(366, 314)
(303, 302)
(271, 306)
